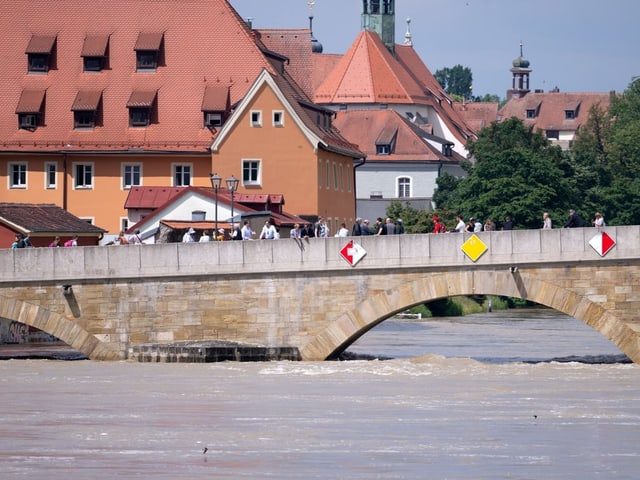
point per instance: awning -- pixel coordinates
(216, 99)
(141, 99)
(41, 44)
(87, 101)
(30, 101)
(149, 41)
(95, 46)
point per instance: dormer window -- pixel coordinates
(149, 51)
(41, 54)
(531, 113)
(86, 109)
(30, 109)
(385, 143)
(571, 111)
(447, 149)
(95, 53)
(215, 105)
(142, 108)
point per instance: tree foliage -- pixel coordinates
(456, 80)
(517, 173)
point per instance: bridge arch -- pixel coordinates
(352, 324)
(57, 325)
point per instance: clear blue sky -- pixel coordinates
(576, 45)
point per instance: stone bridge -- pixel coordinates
(303, 294)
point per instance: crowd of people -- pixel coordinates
(320, 229)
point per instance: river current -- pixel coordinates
(503, 395)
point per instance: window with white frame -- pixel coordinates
(18, 175)
(335, 176)
(251, 172)
(82, 175)
(50, 175)
(404, 187)
(181, 175)
(124, 224)
(131, 175)
(256, 118)
(278, 118)
(341, 168)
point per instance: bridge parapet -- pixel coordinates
(516, 247)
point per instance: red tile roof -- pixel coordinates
(550, 109)
(478, 114)
(201, 42)
(380, 126)
(44, 218)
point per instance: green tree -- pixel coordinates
(457, 80)
(517, 173)
(606, 159)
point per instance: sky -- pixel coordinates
(574, 45)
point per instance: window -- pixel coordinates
(328, 175)
(95, 53)
(50, 175)
(83, 175)
(124, 224)
(569, 114)
(319, 173)
(30, 109)
(142, 107)
(447, 149)
(41, 54)
(383, 149)
(335, 176)
(131, 175)
(531, 113)
(87, 109)
(278, 118)
(18, 175)
(404, 187)
(181, 175)
(198, 216)
(212, 119)
(149, 51)
(256, 118)
(251, 172)
(553, 134)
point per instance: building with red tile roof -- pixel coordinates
(101, 98)
(558, 115)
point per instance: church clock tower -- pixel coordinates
(379, 16)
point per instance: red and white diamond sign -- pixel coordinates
(602, 243)
(353, 253)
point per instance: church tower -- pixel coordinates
(379, 16)
(520, 77)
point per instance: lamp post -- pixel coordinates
(216, 180)
(232, 186)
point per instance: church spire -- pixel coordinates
(407, 36)
(379, 16)
(519, 77)
(316, 46)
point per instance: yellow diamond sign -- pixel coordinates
(474, 247)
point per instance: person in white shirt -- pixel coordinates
(205, 237)
(188, 237)
(268, 231)
(460, 226)
(247, 232)
(343, 232)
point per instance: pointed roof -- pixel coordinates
(299, 107)
(368, 73)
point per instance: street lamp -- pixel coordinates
(216, 180)
(232, 186)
